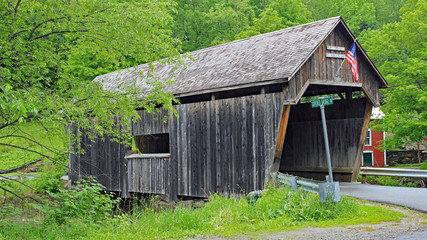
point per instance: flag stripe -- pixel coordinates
(352, 59)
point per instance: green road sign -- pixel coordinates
(321, 101)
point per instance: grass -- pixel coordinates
(422, 166)
(12, 157)
(397, 181)
(409, 165)
(391, 181)
(278, 210)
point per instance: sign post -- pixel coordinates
(325, 136)
(329, 188)
(321, 102)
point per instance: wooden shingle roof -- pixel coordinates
(274, 56)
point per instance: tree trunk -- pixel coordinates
(419, 152)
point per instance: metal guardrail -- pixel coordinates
(327, 191)
(297, 183)
(393, 172)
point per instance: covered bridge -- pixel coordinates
(244, 115)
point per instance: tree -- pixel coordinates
(387, 11)
(278, 15)
(52, 49)
(201, 24)
(191, 23)
(400, 52)
(227, 18)
(358, 14)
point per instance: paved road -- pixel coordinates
(419, 235)
(413, 198)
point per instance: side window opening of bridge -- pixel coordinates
(153, 143)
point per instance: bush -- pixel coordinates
(392, 181)
(48, 179)
(301, 206)
(89, 203)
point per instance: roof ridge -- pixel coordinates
(262, 35)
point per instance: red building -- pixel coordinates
(372, 156)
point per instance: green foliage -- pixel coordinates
(88, 203)
(229, 216)
(359, 15)
(387, 11)
(423, 166)
(8, 210)
(31, 137)
(399, 51)
(227, 18)
(278, 15)
(391, 181)
(48, 180)
(51, 49)
(278, 210)
(201, 24)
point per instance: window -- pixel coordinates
(368, 138)
(368, 158)
(153, 143)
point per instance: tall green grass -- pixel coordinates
(392, 181)
(278, 210)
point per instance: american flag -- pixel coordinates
(352, 59)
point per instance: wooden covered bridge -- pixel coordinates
(242, 116)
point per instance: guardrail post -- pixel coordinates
(363, 179)
(329, 192)
(294, 183)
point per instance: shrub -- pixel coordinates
(392, 181)
(48, 179)
(89, 203)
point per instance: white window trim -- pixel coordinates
(372, 153)
(385, 151)
(370, 137)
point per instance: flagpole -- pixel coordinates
(336, 74)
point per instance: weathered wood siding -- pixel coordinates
(222, 145)
(101, 159)
(150, 123)
(225, 145)
(147, 174)
(323, 70)
(304, 150)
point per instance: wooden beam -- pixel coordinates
(333, 83)
(348, 93)
(338, 91)
(368, 110)
(280, 138)
(230, 88)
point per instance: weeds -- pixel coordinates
(87, 213)
(392, 181)
(88, 203)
